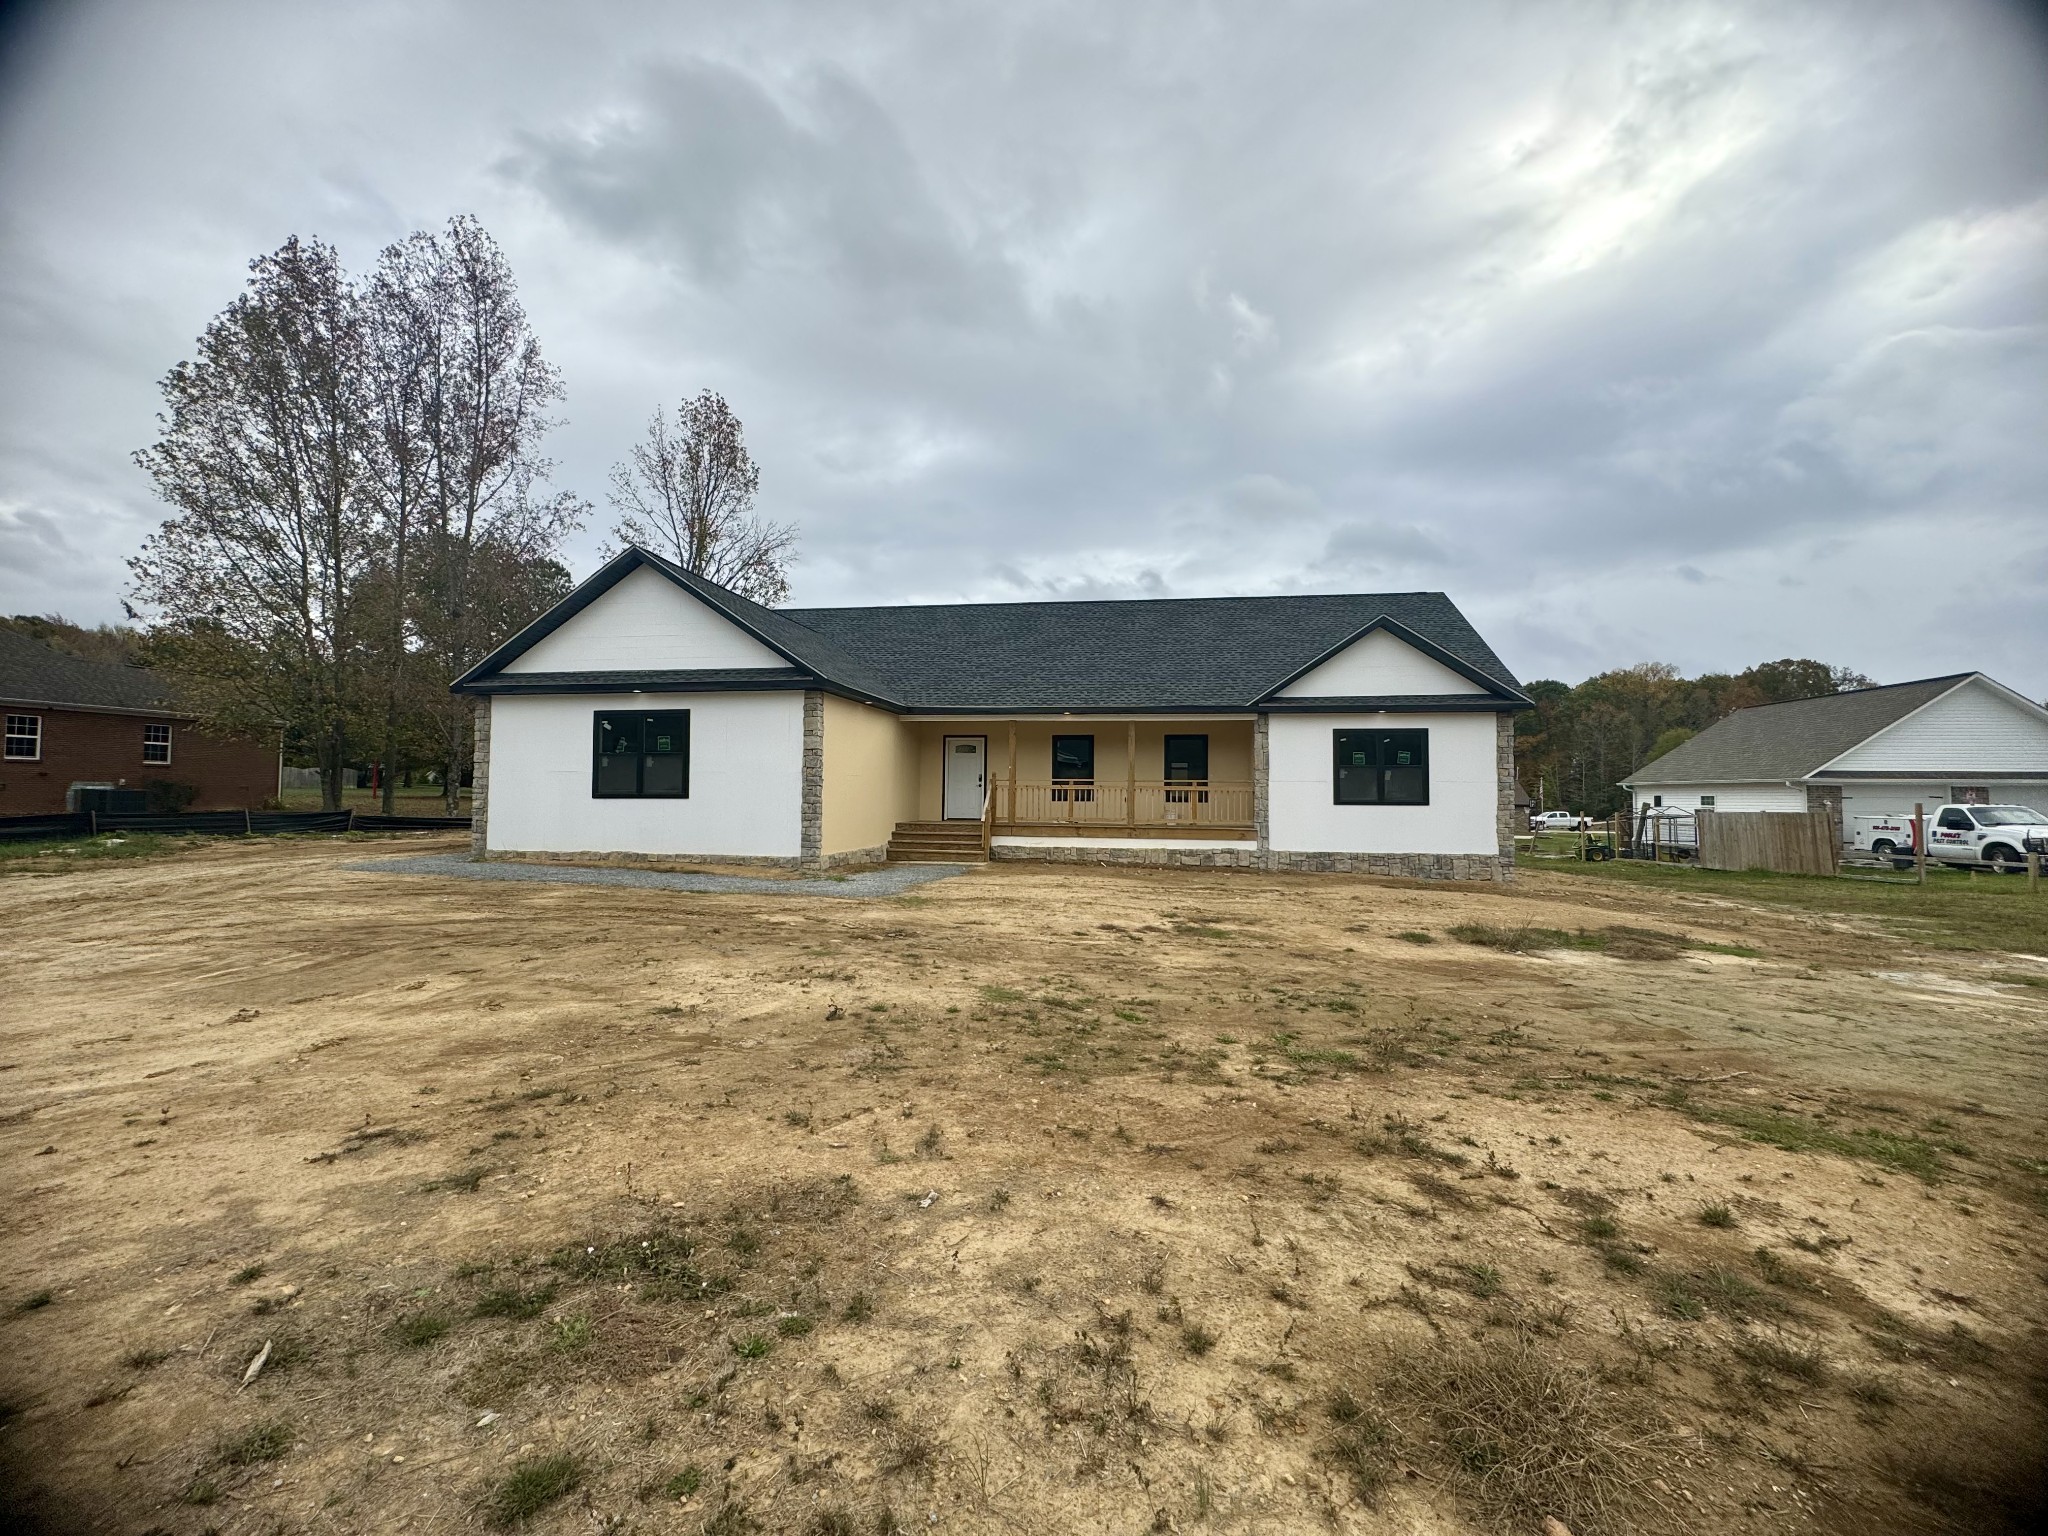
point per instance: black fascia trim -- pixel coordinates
(608, 576)
(1422, 643)
(1400, 704)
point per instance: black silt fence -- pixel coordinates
(218, 824)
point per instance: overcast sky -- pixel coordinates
(1704, 333)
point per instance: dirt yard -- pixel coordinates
(1034, 1201)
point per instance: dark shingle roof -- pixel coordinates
(1779, 742)
(33, 673)
(1143, 654)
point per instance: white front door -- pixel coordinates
(965, 776)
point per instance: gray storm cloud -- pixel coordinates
(1619, 323)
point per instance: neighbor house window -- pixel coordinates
(24, 737)
(1382, 767)
(641, 756)
(1073, 763)
(1706, 802)
(156, 743)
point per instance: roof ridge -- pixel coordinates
(1851, 693)
(1107, 602)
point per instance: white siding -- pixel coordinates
(746, 778)
(1463, 788)
(646, 623)
(1727, 797)
(1972, 729)
(1379, 666)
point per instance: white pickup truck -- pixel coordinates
(2000, 836)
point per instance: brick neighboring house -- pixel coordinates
(74, 724)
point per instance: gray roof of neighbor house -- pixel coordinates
(1781, 742)
(34, 673)
(1222, 653)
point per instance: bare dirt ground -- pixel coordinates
(1036, 1200)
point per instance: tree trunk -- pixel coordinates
(452, 785)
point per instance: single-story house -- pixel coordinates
(92, 735)
(1868, 752)
(653, 715)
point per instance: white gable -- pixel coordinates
(1974, 728)
(646, 623)
(1376, 666)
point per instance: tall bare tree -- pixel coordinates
(688, 491)
(264, 455)
(488, 392)
(403, 337)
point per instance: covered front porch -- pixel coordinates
(1068, 777)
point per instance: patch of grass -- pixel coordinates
(201, 1491)
(1416, 936)
(1715, 1216)
(65, 852)
(530, 1487)
(859, 1308)
(248, 1274)
(1523, 1432)
(509, 1301)
(755, 1346)
(1796, 1133)
(794, 1327)
(685, 1483)
(1951, 912)
(35, 1301)
(145, 1359)
(572, 1333)
(1196, 1340)
(263, 1442)
(1803, 1362)
(1002, 995)
(419, 1329)
(463, 1181)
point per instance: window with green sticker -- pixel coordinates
(1382, 767)
(641, 756)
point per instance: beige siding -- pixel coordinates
(870, 775)
(1230, 750)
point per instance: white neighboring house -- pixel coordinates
(653, 715)
(1870, 752)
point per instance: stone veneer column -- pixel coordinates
(480, 775)
(1262, 805)
(811, 838)
(1504, 754)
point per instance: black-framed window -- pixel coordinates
(640, 756)
(1073, 762)
(24, 738)
(1187, 762)
(1382, 767)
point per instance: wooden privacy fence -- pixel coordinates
(1787, 842)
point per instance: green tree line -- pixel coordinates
(1573, 750)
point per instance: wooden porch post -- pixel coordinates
(1131, 774)
(1013, 770)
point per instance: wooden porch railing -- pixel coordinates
(1123, 803)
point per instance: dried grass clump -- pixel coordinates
(1521, 1431)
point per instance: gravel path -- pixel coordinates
(893, 880)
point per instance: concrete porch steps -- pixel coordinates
(936, 842)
